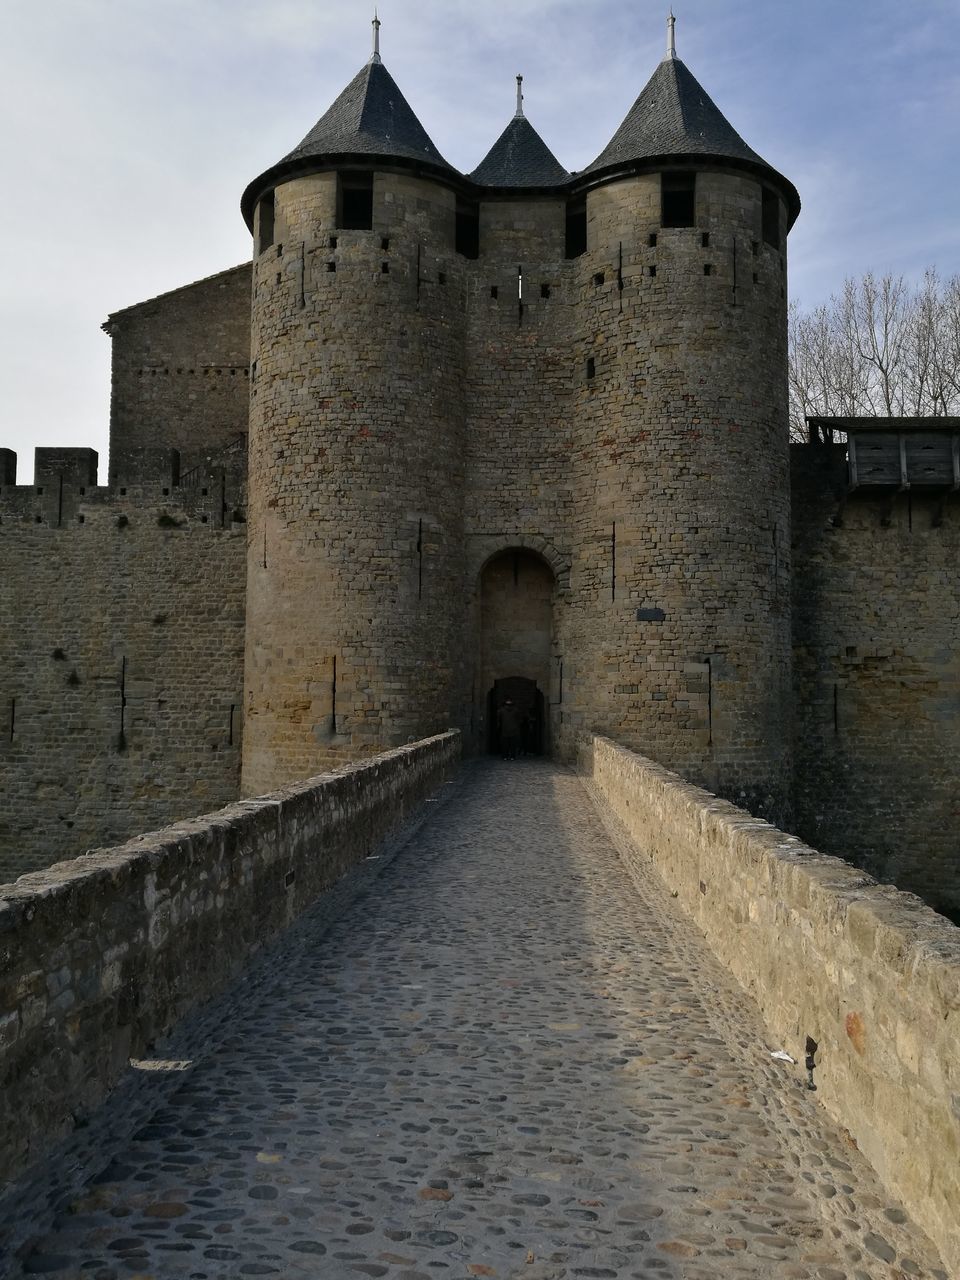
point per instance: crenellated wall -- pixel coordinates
(877, 637)
(121, 641)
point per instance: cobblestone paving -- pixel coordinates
(509, 1060)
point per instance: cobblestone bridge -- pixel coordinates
(509, 1059)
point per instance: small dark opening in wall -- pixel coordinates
(651, 270)
(707, 269)
(166, 493)
(279, 277)
(653, 240)
(385, 244)
(203, 493)
(494, 291)
(756, 277)
(266, 214)
(771, 218)
(384, 268)
(289, 878)
(591, 368)
(38, 519)
(204, 519)
(678, 199)
(705, 239)
(81, 519)
(544, 291)
(83, 492)
(279, 255)
(355, 201)
(442, 277)
(123, 493)
(331, 267)
(467, 235)
(334, 242)
(576, 238)
(599, 279)
(40, 490)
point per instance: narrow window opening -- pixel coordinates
(653, 240)
(279, 255)
(599, 279)
(13, 717)
(544, 291)
(279, 277)
(591, 368)
(678, 199)
(385, 268)
(468, 229)
(755, 247)
(494, 291)
(756, 277)
(331, 267)
(333, 242)
(266, 213)
(652, 270)
(355, 201)
(576, 245)
(442, 277)
(707, 269)
(705, 239)
(771, 218)
(385, 244)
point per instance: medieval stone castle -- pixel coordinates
(455, 438)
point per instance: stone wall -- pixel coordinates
(100, 957)
(877, 659)
(181, 372)
(868, 973)
(121, 657)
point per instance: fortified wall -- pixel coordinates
(876, 606)
(121, 653)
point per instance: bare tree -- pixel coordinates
(879, 348)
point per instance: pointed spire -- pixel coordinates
(671, 36)
(377, 24)
(519, 97)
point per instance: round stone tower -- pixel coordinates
(678, 638)
(356, 484)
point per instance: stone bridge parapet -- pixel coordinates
(102, 956)
(863, 978)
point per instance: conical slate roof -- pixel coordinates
(370, 118)
(675, 117)
(520, 158)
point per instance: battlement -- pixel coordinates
(145, 484)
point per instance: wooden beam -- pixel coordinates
(852, 460)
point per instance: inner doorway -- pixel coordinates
(517, 590)
(529, 702)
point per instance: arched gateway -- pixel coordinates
(515, 660)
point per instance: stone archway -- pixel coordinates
(517, 597)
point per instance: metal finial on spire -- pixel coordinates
(519, 96)
(671, 36)
(377, 24)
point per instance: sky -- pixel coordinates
(131, 127)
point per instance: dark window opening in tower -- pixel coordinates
(266, 213)
(576, 228)
(678, 199)
(468, 229)
(771, 218)
(355, 202)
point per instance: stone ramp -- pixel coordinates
(509, 1059)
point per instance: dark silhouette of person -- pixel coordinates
(509, 729)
